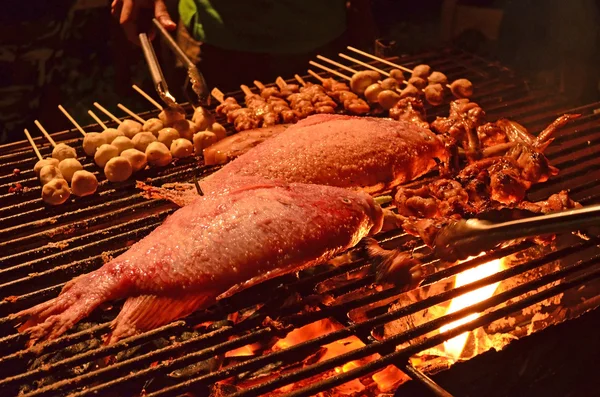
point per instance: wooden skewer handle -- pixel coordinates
(131, 113)
(97, 119)
(339, 65)
(334, 72)
(48, 137)
(379, 59)
(71, 119)
(106, 112)
(35, 149)
(218, 95)
(246, 90)
(148, 97)
(300, 80)
(315, 75)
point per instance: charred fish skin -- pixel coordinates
(216, 245)
(335, 150)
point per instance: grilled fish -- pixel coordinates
(213, 247)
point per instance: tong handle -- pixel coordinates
(467, 238)
(172, 44)
(155, 70)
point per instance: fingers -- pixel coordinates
(128, 19)
(162, 15)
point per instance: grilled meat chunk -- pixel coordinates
(217, 245)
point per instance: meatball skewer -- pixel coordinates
(461, 88)
(129, 128)
(55, 189)
(109, 134)
(91, 140)
(60, 151)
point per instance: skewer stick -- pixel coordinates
(259, 85)
(339, 65)
(349, 58)
(379, 59)
(315, 75)
(148, 97)
(132, 114)
(35, 149)
(72, 120)
(300, 80)
(246, 90)
(106, 112)
(48, 137)
(218, 95)
(280, 82)
(334, 72)
(97, 119)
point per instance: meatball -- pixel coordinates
(168, 117)
(397, 75)
(142, 140)
(361, 80)
(136, 158)
(421, 71)
(183, 127)
(387, 99)
(40, 164)
(56, 192)
(167, 135)
(62, 151)
(130, 128)
(48, 173)
(68, 167)
(158, 154)
(122, 143)
(202, 118)
(418, 82)
(410, 90)
(118, 169)
(202, 140)
(84, 183)
(153, 125)
(105, 153)
(461, 88)
(372, 92)
(437, 78)
(434, 94)
(389, 84)
(92, 141)
(110, 134)
(181, 148)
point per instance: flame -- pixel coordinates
(455, 346)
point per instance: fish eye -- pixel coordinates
(346, 200)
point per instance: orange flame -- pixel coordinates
(455, 346)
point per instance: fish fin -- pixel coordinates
(394, 266)
(50, 319)
(146, 312)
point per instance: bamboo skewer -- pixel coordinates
(280, 82)
(97, 119)
(48, 137)
(339, 65)
(334, 72)
(72, 120)
(218, 95)
(259, 85)
(246, 90)
(131, 113)
(315, 75)
(148, 97)
(349, 58)
(33, 145)
(300, 80)
(106, 112)
(379, 59)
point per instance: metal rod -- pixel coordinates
(420, 377)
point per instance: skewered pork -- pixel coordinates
(224, 243)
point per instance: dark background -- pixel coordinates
(72, 52)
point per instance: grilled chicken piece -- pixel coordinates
(344, 151)
(410, 109)
(212, 248)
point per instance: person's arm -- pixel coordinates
(135, 14)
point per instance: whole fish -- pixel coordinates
(213, 247)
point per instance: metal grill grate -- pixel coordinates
(41, 248)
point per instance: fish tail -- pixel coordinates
(146, 312)
(50, 319)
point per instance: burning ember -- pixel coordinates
(455, 346)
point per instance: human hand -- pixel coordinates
(135, 16)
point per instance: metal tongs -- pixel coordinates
(466, 238)
(196, 78)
